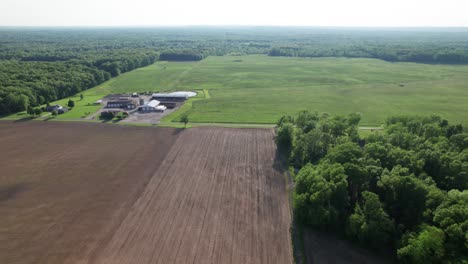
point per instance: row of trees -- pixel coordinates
(172, 55)
(403, 54)
(404, 188)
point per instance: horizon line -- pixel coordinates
(223, 25)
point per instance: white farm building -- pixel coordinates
(151, 106)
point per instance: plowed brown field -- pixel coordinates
(85, 193)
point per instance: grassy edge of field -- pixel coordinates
(363, 131)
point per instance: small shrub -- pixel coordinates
(107, 115)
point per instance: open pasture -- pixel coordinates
(259, 89)
(92, 193)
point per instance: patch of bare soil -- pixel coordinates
(218, 197)
(94, 193)
(65, 188)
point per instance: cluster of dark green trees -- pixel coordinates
(25, 82)
(188, 55)
(404, 188)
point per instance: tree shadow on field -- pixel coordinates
(280, 162)
(177, 131)
(325, 247)
(9, 191)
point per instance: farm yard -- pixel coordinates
(203, 195)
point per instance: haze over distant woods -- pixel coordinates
(39, 65)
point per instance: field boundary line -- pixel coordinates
(207, 94)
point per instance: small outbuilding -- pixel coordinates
(160, 108)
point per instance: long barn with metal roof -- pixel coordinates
(173, 97)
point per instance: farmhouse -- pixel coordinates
(52, 108)
(123, 102)
(150, 106)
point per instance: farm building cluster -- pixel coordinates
(158, 102)
(148, 107)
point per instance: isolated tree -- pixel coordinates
(81, 96)
(71, 103)
(184, 119)
(54, 113)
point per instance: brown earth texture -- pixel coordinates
(93, 193)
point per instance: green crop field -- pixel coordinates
(259, 89)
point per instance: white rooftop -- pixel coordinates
(152, 103)
(176, 94)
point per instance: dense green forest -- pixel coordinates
(39, 65)
(403, 189)
(422, 46)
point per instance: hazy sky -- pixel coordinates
(234, 12)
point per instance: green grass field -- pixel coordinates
(259, 89)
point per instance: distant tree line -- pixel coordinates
(404, 188)
(392, 54)
(172, 55)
